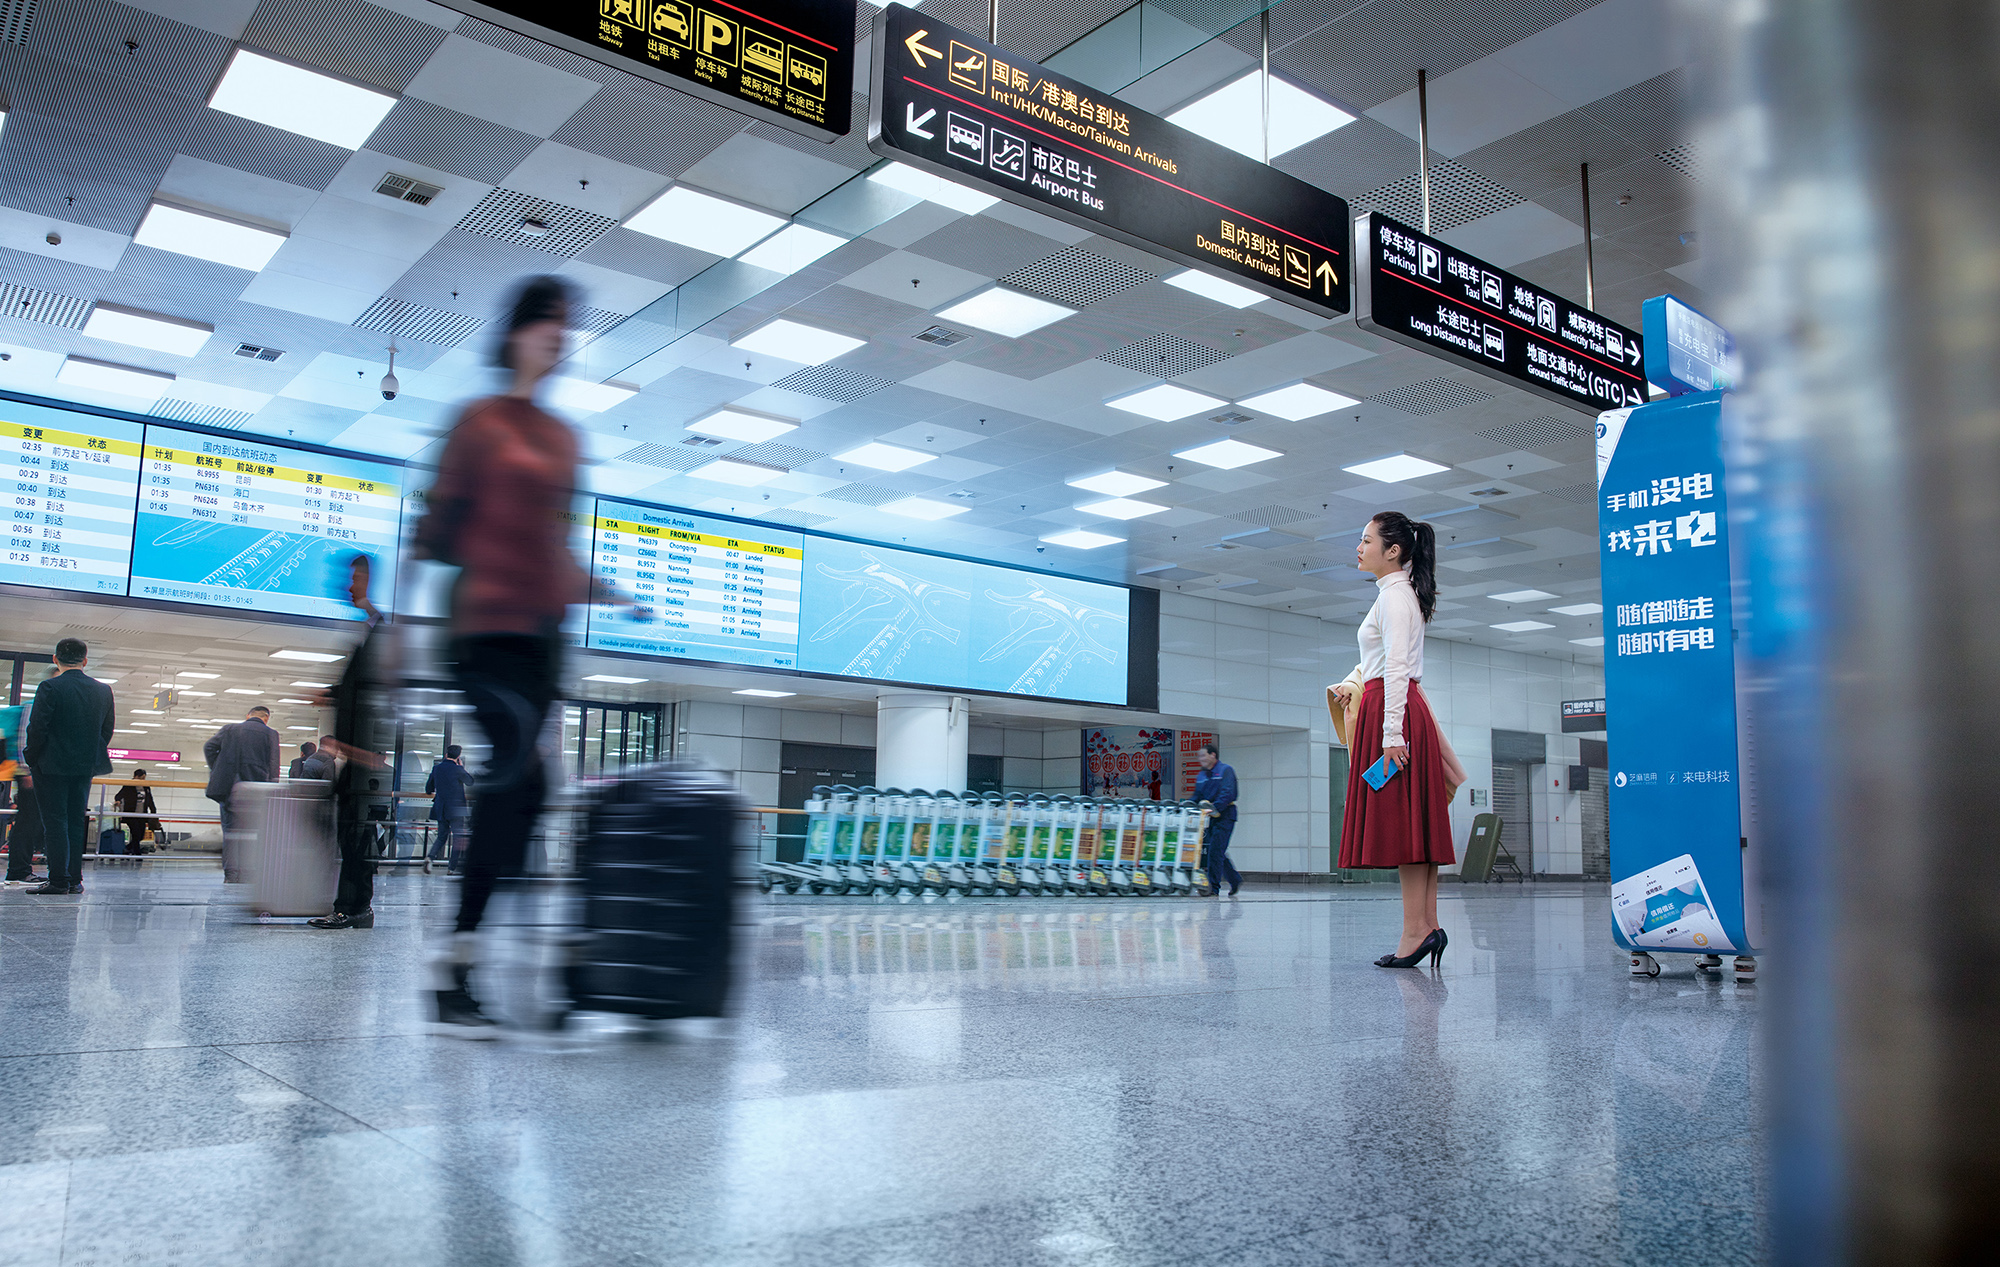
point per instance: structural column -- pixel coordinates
(921, 740)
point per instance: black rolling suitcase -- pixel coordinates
(657, 862)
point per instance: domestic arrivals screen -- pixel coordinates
(73, 479)
(710, 589)
(257, 526)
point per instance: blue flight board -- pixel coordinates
(244, 523)
(711, 589)
(899, 616)
(71, 480)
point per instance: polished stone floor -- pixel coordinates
(1028, 1081)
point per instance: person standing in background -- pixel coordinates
(359, 716)
(321, 764)
(1404, 824)
(25, 836)
(1216, 784)
(246, 752)
(134, 799)
(447, 785)
(297, 769)
(69, 737)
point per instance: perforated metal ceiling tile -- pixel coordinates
(671, 457)
(832, 382)
(1363, 154)
(1686, 160)
(1545, 156)
(347, 37)
(436, 136)
(17, 20)
(50, 309)
(1028, 358)
(402, 320)
(1487, 25)
(1255, 589)
(772, 453)
(1173, 572)
(1365, 57)
(535, 51)
(1651, 114)
(505, 215)
(43, 273)
(985, 245)
(1459, 196)
(627, 122)
(172, 55)
(1431, 396)
(162, 281)
(1271, 516)
(1076, 277)
(1535, 433)
(1164, 355)
(207, 415)
(623, 251)
(796, 518)
(1580, 494)
(267, 151)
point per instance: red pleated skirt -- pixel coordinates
(1407, 820)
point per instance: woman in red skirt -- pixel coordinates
(1405, 824)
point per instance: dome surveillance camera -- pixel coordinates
(1041, 549)
(390, 385)
(54, 238)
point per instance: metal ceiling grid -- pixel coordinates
(771, 453)
(623, 251)
(17, 20)
(833, 382)
(181, 285)
(1364, 154)
(44, 273)
(1398, 44)
(670, 457)
(865, 494)
(535, 51)
(47, 307)
(1535, 433)
(1545, 156)
(519, 219)
(1459, 196)
(1165, 356)
(170, 55)
(435, 326)
(206, 415)
(985, 245)
(1650, 113)
(246, 145)
(630, 125)
(1076, 277)
(1431, 396)
(438, 136)
(469, 273)
(1487, 26)
(348, 37)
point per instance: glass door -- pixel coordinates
(605, 740)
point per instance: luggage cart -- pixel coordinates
(952, 875)
(1203, 886)
(791, 876)
(1100, 842)
(1035, 869)
(866, 875)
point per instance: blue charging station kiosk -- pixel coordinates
(1682, 855)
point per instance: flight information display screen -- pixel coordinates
(712, 589)
(72, 481)
(262, 527)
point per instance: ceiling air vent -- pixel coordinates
(407, 189)
(942, 337)
(256, 353)
(1230, 419)
(701, 442)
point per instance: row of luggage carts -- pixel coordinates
(887, 841)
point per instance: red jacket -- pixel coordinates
(497, 511)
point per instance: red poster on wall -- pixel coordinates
(1128, 761)
(1189, 752)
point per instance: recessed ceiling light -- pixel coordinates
(599, 677)
(1116, 484)
(119, 730)
(321, 685)
(294, 99)
(1523, 626)
(1521, 596)
(241, 690)
(122, 380)
(741, 474)
(734, 424)
(923, 508)
(689, 217)
(1121, 508)
(1297, 402)
(284, 701)
(1233, 115)
(301, 728)
(1578, 609)
(1081, 539)
(146, 712)
(761, 693)
(316, 657)
(884, 457)
(580, 396)
(1165, 402)
(1209, 286)
(790, 341)
(107, 680)
(1228, 454)
(791, 249)
(193, 673)
(207, 237)
(171, 335)
(907, 179)
(1005, 312)
(1588, 642)
(1394, 469)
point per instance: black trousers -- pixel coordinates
(356, 892)
(65, 801)
(510, 681)
(1217, 843)
(25, 836)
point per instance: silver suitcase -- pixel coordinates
(290, 858)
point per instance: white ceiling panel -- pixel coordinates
(611, 290)
(1605, 48)
(373, 227)
(932, 438)
(1511, 465)
(204, 184)
(913, 225)
(308, 296)
(1221, 481)
(493, 84)
(314, 258)
(224, 17)
(1473, 106)
(391, 437)
(1524, 231)
(938, 283)
(1034, 222)
(92, 248)
(766, 174)
(1274, 365)
(558, 172)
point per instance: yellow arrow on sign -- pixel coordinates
(917, 50)
(1327, 277)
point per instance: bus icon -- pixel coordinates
(965, 138)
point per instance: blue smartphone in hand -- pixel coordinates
(1381, 772)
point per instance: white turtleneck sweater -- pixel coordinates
(1392, 648)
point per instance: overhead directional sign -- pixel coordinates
(972, 112)
(792, 61)
(1417, 290)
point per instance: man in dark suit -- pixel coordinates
(298, 766)
(246, 752)
(1216, 784)
(69, 735)
(363, 729)
(447, 785)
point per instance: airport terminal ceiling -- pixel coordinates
(491, 157)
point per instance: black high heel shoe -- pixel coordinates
(1431, 947)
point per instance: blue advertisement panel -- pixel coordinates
(72, 478)
(1677, 844)
(899, 616)
(244, 523)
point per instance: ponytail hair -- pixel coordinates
(1418, 544)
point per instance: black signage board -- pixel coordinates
(974, 113)
(1582, 716)
(1417, 290)
(790, 61)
